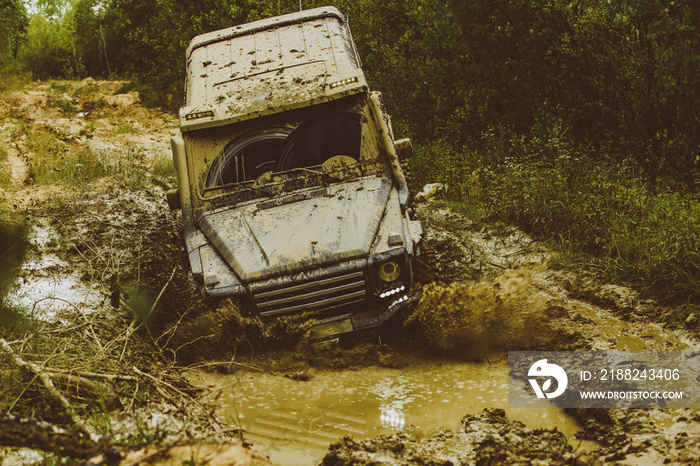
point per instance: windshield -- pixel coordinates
(247, 157)
(264, 151)
(313, 146)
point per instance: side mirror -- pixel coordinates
(173, 196)
(404, 149)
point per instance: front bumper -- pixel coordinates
(335, 326)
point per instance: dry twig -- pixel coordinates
(179, 392)
(45, 379)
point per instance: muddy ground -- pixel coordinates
(104, 319)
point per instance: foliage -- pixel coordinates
(47, 49)
(13, 25)
(621, 76)
(54, 162)
(13, 81)
(603, 210)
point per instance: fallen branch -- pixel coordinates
(160, 295)
(179, 392)
(26, 433)
(78, 383)
(162, 382)
(109, 377)
(45, 379)
(229, 364)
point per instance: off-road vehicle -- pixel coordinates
(290, 182)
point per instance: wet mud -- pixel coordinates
(485, 438)
(521, 304)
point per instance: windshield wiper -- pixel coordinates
(315, 172)
(259, 190)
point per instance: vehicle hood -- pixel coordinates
(297, 231)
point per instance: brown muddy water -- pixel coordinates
(293, 422)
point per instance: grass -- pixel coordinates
(126, 88)
(599, 207)
(5, 176)
(57, 101)
(164, 168)
(19, 128)
(59, 87)
(55, 97)
(124, 129)
(55, 162)
(13, 82)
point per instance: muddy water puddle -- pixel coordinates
(47, 284)
(293, 422)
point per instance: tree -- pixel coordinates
(48, 49)
(13, 25)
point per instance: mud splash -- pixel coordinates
(506, 313)
(524, 305)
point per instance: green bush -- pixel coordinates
(13, 81)
(655, 239)
(599, 207)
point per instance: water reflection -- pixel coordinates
(392, 417)
(393, 395)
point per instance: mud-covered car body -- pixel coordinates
(290, 186)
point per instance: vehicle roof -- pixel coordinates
(263, 24)
(269, 66)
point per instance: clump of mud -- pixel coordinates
(486, 438)
(473, 320)
(390, 450)
(510, 442)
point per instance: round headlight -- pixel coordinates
(389, 271)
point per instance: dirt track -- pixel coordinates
(117, 244)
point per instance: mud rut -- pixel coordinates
(105, 354)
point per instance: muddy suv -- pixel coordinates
(290, 183)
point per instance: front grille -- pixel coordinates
(312, 295)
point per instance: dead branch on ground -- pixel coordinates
(34, 368)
